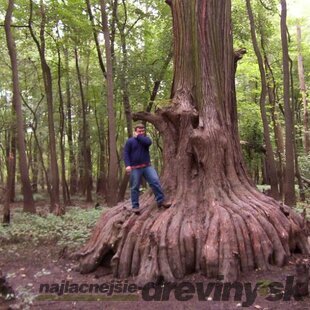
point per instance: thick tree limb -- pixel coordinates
(238, 54)
(149, 117)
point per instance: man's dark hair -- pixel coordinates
(140, 126)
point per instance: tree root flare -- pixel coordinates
(237, 233)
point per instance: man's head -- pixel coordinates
(139, 129)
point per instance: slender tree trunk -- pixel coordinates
(289, 185)
(101, 179)
(297, 171)
(95, 34)
(65, 188)
(271, 165)
(112, 174)
(47, 78)
(35, 168)
(29, 205)
(80, 160)
(124, 74)
(40, 152)
(1, 173)
(113, 32)
(88, 138)
(302, 194)
(125, 91)
(41, 179)
(12, 150)
(279, 140)
(72, 161)
(219, 223)
(85, 136)
(10, 164)
(7, 198)
(158, 81)
(303, 90)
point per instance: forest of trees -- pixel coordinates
(72, 73)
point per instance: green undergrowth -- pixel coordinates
(303, 207)
(71, 229)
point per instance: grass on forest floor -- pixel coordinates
(71, 229)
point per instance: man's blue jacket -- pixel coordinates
(136, 151)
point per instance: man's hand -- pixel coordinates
(135, 134)
(128, 170)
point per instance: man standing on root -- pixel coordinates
(138, 164)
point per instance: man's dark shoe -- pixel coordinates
(165, 204)
(136, 211)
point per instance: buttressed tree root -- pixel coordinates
(219, 223)
(216, 226)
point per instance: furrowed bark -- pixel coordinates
(219, 223)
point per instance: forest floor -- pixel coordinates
(47, 264)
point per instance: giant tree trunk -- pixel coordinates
(218, 224)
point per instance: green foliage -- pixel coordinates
(303, 208)
(148, 33)
(251, 134)
(72, 229)
(304, 165)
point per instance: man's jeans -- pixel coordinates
(150, 175)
